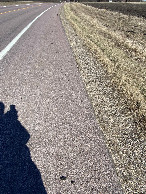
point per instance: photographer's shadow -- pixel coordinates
(18, 173)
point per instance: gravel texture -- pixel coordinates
(39, 75)
(113, 116)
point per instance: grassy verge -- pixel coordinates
(111, 60)
(133, 8)
(118, 42)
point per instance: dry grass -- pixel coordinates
(117, 41)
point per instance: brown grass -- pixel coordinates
(118, 42)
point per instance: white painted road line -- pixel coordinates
(4, 6)
(13, 42)
(16, 5)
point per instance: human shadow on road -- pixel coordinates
(18, 173)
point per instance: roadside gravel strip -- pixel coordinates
(40, 76)
(124, 140)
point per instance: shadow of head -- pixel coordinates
(18, 173)
(2, 108)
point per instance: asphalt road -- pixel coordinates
(39, 76)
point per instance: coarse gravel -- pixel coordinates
(123, 137)
(40, 76)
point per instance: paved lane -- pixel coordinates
(13, 22)
(17, 6)
(39, 75)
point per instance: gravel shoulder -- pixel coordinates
(124, 140)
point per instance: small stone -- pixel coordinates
(63, 178)
(72, 182)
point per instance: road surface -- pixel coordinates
(39, 75)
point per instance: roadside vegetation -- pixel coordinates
(118, 42)
(109, 48)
